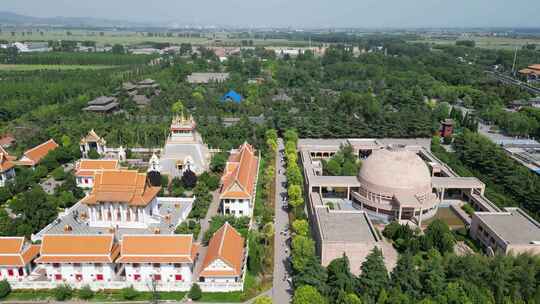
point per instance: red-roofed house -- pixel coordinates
(33, 156)
(87, 168)
(79, 258)
(239, 182)
(16, 258)
(161, 258)
(225, 258)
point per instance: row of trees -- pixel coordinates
(519, 186)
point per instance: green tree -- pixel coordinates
(303, 248)
(374, 276)
(129, 293)
(340, 278)
(5, 289)
(439, 236)
(62, 293)
(217, 164)
(59, 174)
(453, 294)
(118, 49)
(313, 274)
(432, 275)
(406, 276)
(333, 168)
(195, 293)
(85, 293)
(93, 154)
(308, 295)
(301, 227)
(178, 108)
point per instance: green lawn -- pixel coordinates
(252, 288)
(101, 296)
(35, 67)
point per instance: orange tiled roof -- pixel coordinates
(13, 251)
(226, 245)
(173, 248)
(535, 67)
(35, 154)
(5, 163)
(122, 186)
(88, 167)
(240, 174)
(78, 248)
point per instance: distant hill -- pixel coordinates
(9, 18)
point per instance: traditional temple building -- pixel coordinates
(161, 258)
(239, 182)
(86, 169)
(123, 199)
(184, 149)
(79, 258)
(225, 258)
(16, 258)
(92, 142)
(33, 156)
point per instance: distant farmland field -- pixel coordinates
(35, 67)
(131, 38)
(487, 42)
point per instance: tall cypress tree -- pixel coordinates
(374, 276)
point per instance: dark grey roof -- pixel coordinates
(101, 100)
(102, 108)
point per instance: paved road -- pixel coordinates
(281, 291)
(205, 224)
(509, 80)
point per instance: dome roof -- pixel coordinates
(390, 171)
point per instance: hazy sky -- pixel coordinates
(310, 13)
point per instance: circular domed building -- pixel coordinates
(395, 183)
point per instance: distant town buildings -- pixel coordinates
(205, 78)
(239, 182)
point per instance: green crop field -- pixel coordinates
(34, 67)
(487, 42)
(132, 38)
